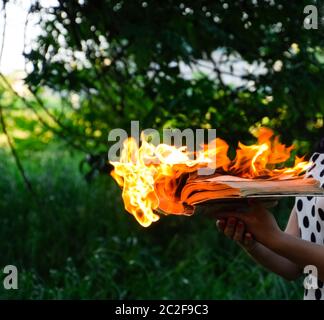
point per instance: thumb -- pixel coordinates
(256, 204)
(223, 215)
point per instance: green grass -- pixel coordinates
(80, 243)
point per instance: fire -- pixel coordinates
(141, 170)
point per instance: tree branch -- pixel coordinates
(15, 154)
(29, 105)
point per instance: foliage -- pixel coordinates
(79, 243)
(124, 60)
(96, 66)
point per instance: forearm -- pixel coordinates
(274, 262)
(298, 251)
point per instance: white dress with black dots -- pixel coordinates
(310, 213)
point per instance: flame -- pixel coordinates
(143, 169)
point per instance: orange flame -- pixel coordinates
(141, 170)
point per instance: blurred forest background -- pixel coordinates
(97, 65)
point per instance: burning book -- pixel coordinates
(165, 179)
(224, 189)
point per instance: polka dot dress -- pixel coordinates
(310, 213)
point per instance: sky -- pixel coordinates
(15, 36)
(12, 56)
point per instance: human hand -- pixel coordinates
(235, 229)
(258, 221)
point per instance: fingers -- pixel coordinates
(239, 232)
(230, 227)
(248, 241)
(235, 230)
(221, 223)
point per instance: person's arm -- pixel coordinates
(275, 262)
(265, 230)
(235, 229)
(301, 252)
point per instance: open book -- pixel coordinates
(196, 190)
